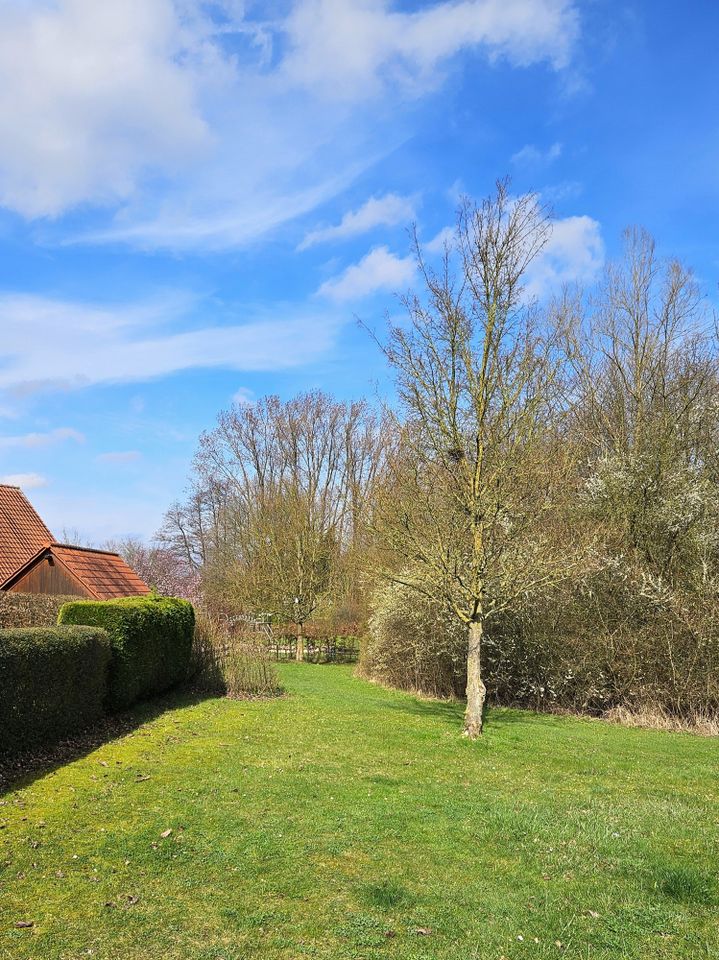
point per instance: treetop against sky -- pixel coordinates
(197, 200)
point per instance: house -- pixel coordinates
(31, 561)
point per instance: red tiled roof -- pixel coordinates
(22, 532)
(104, 575)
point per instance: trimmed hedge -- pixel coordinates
(29, 609)
(151, 639)
(53, 682)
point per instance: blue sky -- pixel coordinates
(197, 200)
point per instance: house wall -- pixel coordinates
(47, 578)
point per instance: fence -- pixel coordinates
(317, 649)
(281, 640)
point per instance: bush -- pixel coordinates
(53, 681)
(151, 639)
(231, 662)
(414, 645)
(613, 640)
(29, 609)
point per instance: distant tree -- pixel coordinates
(161, 568)
(277, 505)
(647, 414)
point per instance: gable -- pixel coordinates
(22, 532)
(47, 577)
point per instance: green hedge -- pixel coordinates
(53, 681)
(151, 640)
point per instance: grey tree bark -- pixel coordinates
(476, 690)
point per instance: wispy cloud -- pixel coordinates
(243, 397)
(28, 481)
(386, 211)
(191, 125)
(535, 158)
(349, 50)
(439, 241)
(33, 441)
(86, 344)
(379, 270)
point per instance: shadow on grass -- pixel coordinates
(451, 712)
(448, 711)
(23, 769)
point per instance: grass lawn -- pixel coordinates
(346, 821)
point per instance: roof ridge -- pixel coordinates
(72, 546)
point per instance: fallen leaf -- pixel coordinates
(423, 931)
(103, 763)
(166, 833)
(24, 924)
(140, 779)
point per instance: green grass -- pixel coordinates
(347, 821)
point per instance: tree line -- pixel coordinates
(537, 513)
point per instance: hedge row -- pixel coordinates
(102, 657)
(29, 609)
(151, 639)
(53, 681)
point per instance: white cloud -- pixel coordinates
(351, 49)
(119, 457)
(86, 344)
(244, 397)
(379, 270)
(574, 254)
(534, 157)
(201, 125)
(100, 96)
(444, 238)
(33, 441)
(386, 211)
(28, 481)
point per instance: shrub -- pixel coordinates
(613, 640)
(609, 643)
(29, 609)
(151, 639)
(231, 662)
(414, 645)
(53, 681)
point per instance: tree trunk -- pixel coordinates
(300, 651)
(476, 690)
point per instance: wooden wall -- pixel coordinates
(47, 578)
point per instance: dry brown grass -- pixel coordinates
(656, 718)
(229, 662)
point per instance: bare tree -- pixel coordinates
(278, 503)
(472, 479)
(162, 568)
(646, 411)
